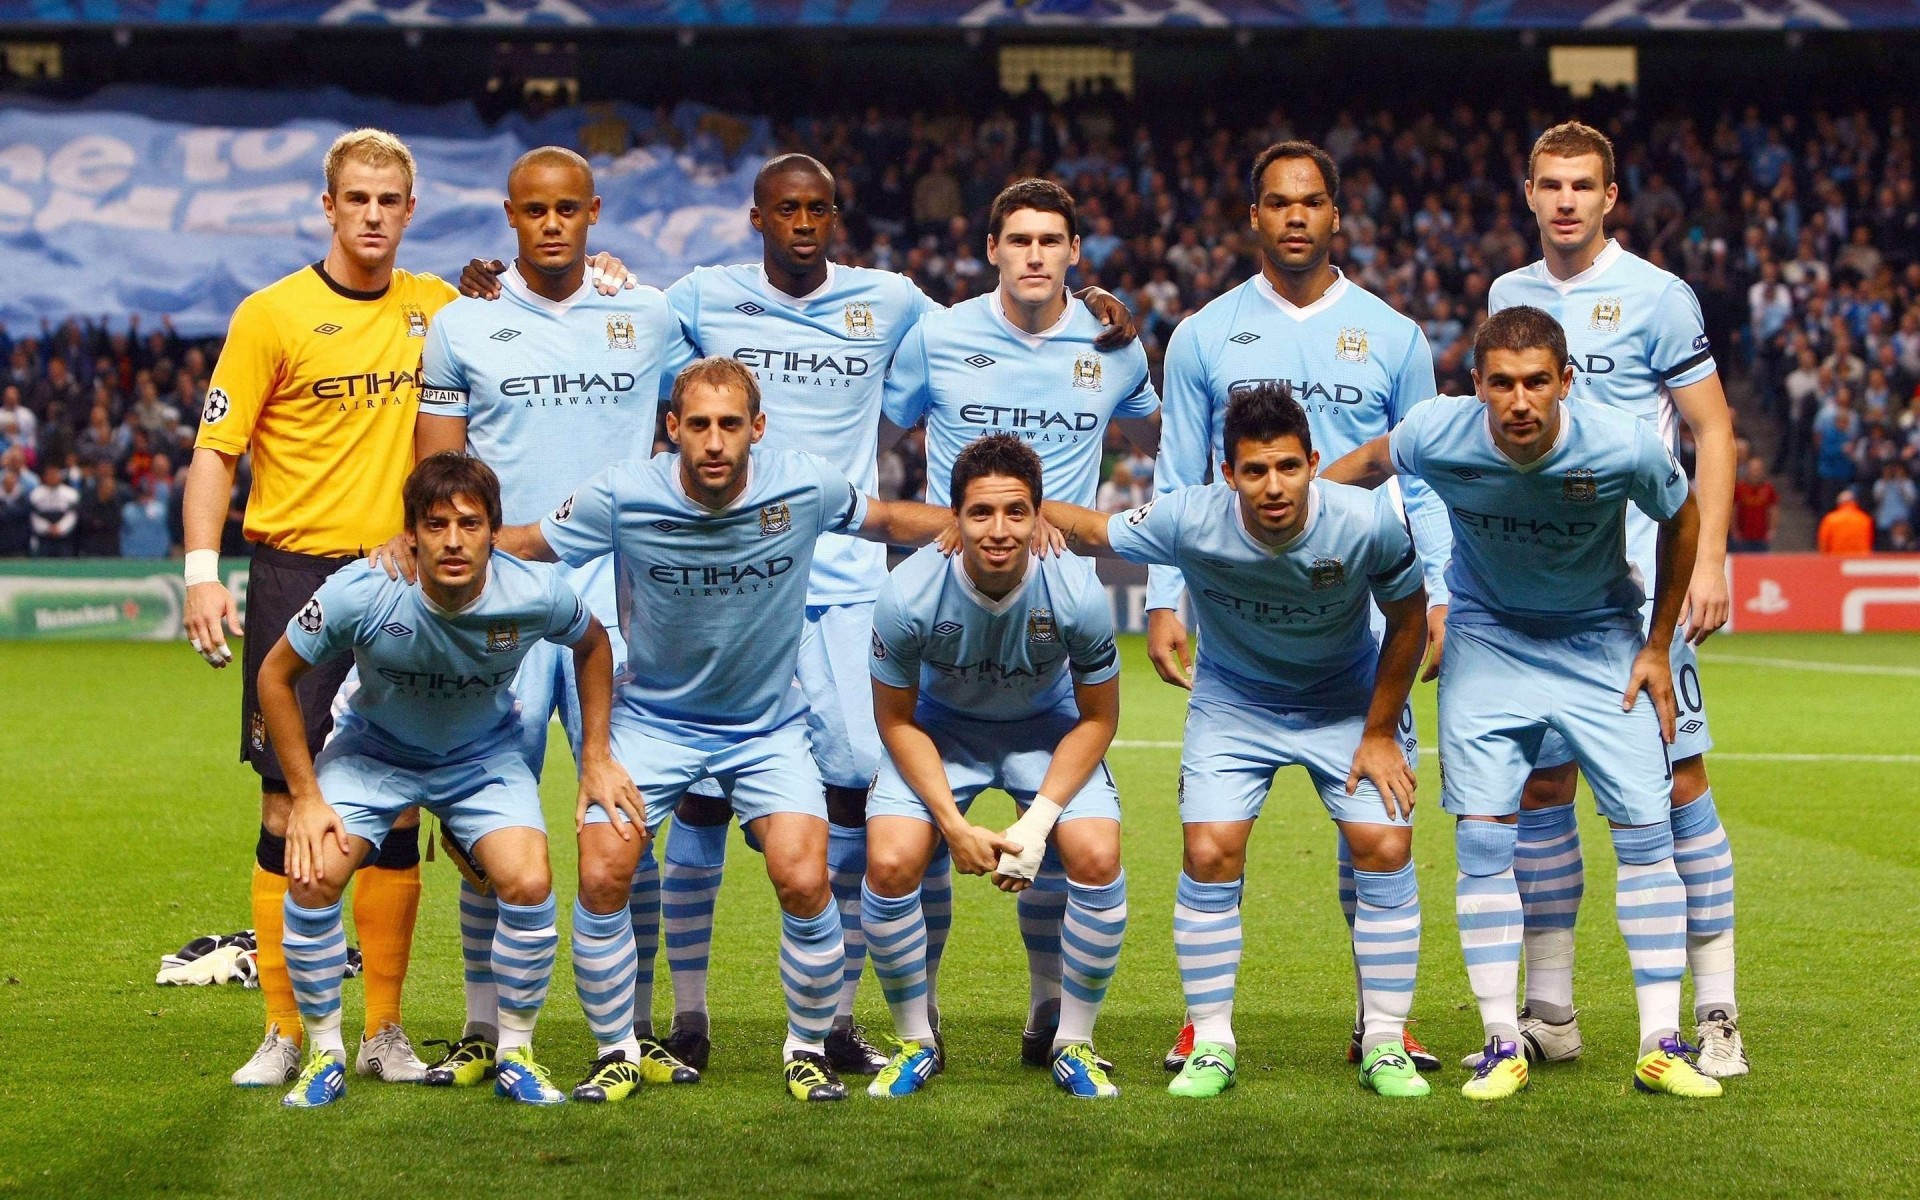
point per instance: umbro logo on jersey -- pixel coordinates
(947, 628)
(396, 629)
(1244, 339)
(328, 330)
(506, 335)
(665, 526)
(978, 360)
(749, 308)
(1467, 473)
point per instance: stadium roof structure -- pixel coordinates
(963, 14)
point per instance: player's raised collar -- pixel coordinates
(996, 607)
(1610, 254)
(1032, 341)
(1313, 518)
(1327, 300)
(779, 297)
(516, 283)
(1559, 439)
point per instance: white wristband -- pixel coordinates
(1030, 832)
(203, 566)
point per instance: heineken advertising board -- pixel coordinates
(101, 599)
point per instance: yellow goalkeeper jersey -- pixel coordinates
(322, 384)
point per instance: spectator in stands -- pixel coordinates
(143, 524)
(101, 499)
(1901, 540)
(16, 509)
(1894, 497)
(56, 514)
(1834, 433)
(1756, 510)
(1847, 529)
(26, 427)
(59, 387)
(1121, 491)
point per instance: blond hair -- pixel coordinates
(1572, 139)
(374, 147)
(716, 371)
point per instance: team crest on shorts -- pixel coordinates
(1578, 485)
(257, 732)
(312, 617)
(1086, 371)
(859, 315)
(1326, 573)
(775, 518)
(1351, 346)
(416, 320)
(1606, 315)
(503, 637)
(620, 332)
(1040, 626)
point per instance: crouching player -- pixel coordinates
(1544, 635)
(433, 725)
(1289, 673)
(995, 668)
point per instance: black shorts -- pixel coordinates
(278, 587)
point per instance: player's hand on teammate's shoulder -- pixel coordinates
(1048, 538)
(1117, 317)
(480, 279)
(396, 558)
(210, 613)
(1379, 761)
(606, 783)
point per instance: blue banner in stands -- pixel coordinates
(1363, 14)
(151, 201)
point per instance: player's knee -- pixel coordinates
(847, 806)
(526, 886)
(1484, 848)
(1550, 787)
(1212, 861)
(315, 893)
(894, 870)
(604, 883)
(1690, 780)
(1379, 847)
(1095, 863)
(800, 885)
(703, 811)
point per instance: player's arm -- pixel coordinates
(1673, 571)
(211, 611)
(312, 819)
(903, 522)
(603, 781)
(1703, 406)
(1075, 759)
(527, 543)
(480, 278)
(1084, 529)
(1368, 465)
(976, 850)
(1186, 451)
(1379, 758)
(1117, 318)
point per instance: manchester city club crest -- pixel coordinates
(1040, 627)
(1578, 485)
(1326, 573)
(775, 518)
(257, 732)
(416, 320)
(503, 637)
(620, 332)
(1086, 371)
(860, 319)
(1606, 315)
(1351, 346)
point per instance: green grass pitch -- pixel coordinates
(126, 827)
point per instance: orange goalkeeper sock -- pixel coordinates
(386, 900)
(269, 894)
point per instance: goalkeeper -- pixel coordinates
(995, 668)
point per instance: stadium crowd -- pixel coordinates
(1800, 235)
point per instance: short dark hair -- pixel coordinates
(1329, 170)
(994, 454)
(1043, 195)
(715, 371)
(1264, 411)
(441, 477)
(782, 164)
(1521, 327)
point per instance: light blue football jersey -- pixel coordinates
(1288, 626)
(968, 372)
(1541, 548)
(436, 685)
(821, 360)
(1634, 331)
(554, 391)
(712, 603)
(1354, 364)
(1009, 659)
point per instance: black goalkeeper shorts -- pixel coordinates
(278, 587)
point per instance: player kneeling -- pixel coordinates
(432, 725)
(995, 668)
(1290, 673)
